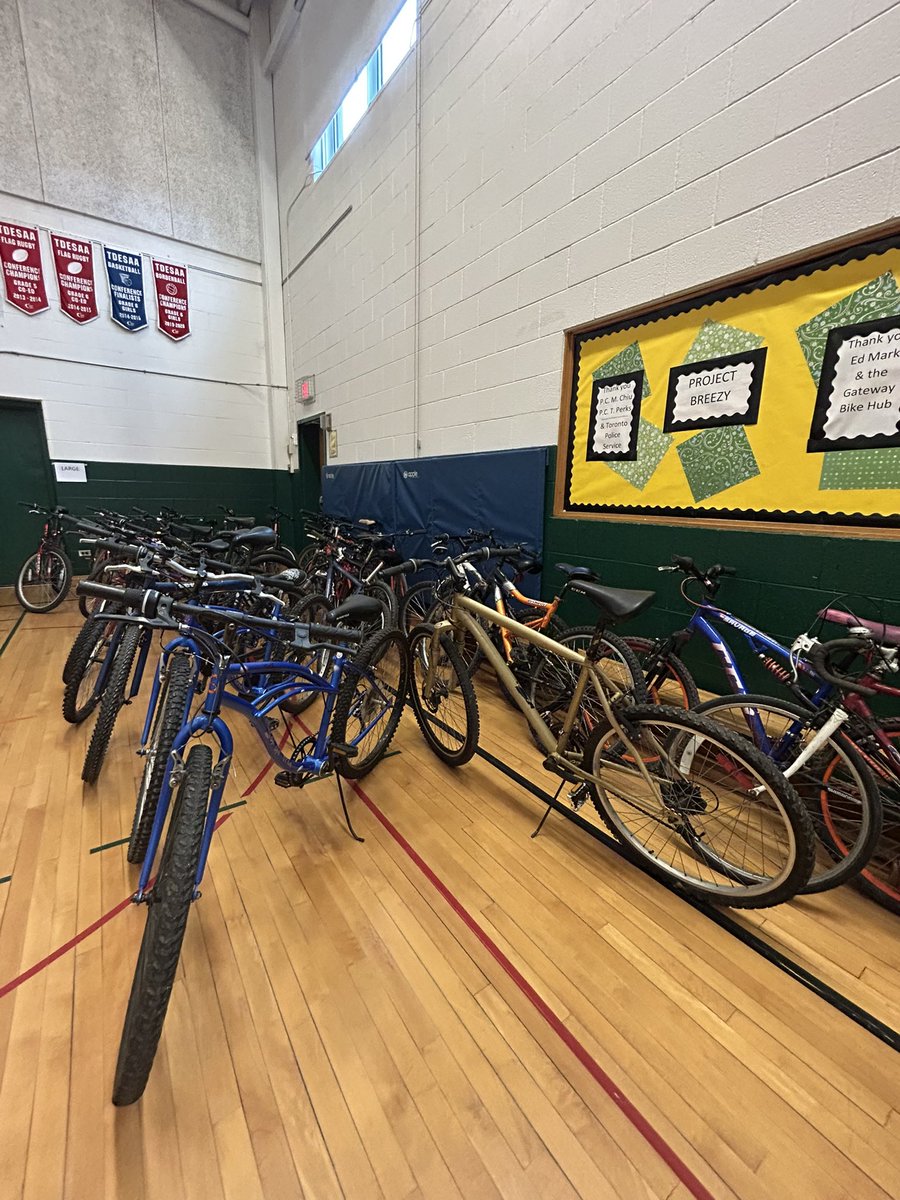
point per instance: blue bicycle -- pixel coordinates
(362, 694)
(802, 736)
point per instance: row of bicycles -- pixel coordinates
(742, 800)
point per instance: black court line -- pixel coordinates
(5, 878)
(9, 636)
(837, 1000)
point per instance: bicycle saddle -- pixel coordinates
(216, 546)
(357, 607)
(615, 604)
(888, 635)
(576, 572)
(259, 535)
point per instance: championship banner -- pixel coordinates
(173, 314)
(23, 271)
(73, 259)
(125, 276)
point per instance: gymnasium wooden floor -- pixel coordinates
(450, 1009)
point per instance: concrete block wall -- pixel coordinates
(574, 158)
(131, 122)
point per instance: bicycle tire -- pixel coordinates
(376, 589)
(554, 681)
(311, 609)
(168, 907)
(84, 655)
(110, 704)
(171, 707)
(470, 652)
(369, 679)
(86, 604)
(526, 658)
(60, 586)
(682, 801)
(85, 633)
(416, 602)
(832, 805)
(880, 879)
(458, 721)
(270, 562)
(681, 690)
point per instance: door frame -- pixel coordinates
(20, 403)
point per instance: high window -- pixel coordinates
(389, 54)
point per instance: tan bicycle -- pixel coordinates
(699, 805)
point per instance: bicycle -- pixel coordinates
(696, 804)
(825, 767)
(44, 577)
(363, 695)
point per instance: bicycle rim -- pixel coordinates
(42, 579)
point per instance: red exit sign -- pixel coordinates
(305, 388)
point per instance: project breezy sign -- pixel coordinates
(73, 259)
(125, 276)
(174, 317)
(23, 271)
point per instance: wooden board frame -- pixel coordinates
(749, 277)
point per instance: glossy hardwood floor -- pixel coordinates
(450, 1009)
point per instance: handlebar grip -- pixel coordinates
(399, 569)
(138, 598)
(820, 658)
(683, 563)
(124, 548)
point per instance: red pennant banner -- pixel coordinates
(74, 262)
(23, 271)
(174, 317)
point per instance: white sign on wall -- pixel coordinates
(70, 472)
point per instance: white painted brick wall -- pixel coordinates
(575, 157)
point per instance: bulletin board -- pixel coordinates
(772, 398)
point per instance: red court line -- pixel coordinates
(649, 1133)
(79, 937)
(120, 907)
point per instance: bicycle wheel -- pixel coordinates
(43, 581)
(470, 653)
(370, 701)
(171, 709)
(167, 912)
(443, 699)
(111, 702)
(314, 609)
(85, 634)
(668, 679)
(526, 658)
(554, 680)
(880, 880)
(378, 590)
(836, 787)
(270, 562)
(85, 666)
(708, 812)
(415, 605)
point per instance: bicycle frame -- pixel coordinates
(463, 615)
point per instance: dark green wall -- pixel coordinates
(782, 579)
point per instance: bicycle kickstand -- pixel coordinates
(540, 824)
(350, 828)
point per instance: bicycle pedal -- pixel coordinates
(290, 779)
(578, 796)
(273, 723)
(344, 750)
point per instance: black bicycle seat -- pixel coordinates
(259, 535)
(359, 608)
(576, 572)
(615, 604)
(216, 546)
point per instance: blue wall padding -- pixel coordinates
(500, 490)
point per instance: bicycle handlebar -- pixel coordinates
(820, 656)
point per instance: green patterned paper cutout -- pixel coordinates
(877, 298)
(627, 360)
(715, 339)
(717, 459)
(844, 470)
(652, 445)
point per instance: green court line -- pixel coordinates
(109, 845)
(9, 638)
(227, 807)
(5, 878)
